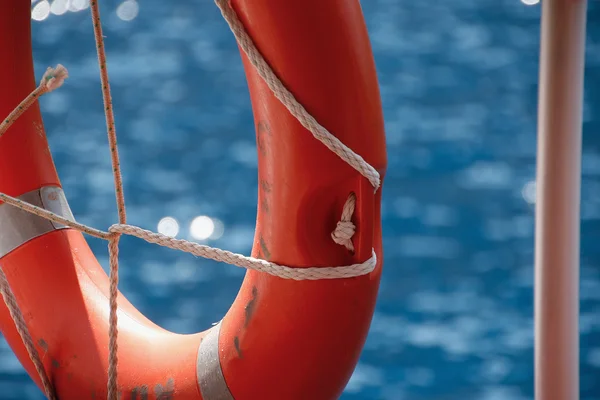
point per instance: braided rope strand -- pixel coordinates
(108, 111)
(256, 264)
(21, 325)
(113, 358)
(40, 212)
(52, 79)
(213, 253)
(290, 102)
(120, 197)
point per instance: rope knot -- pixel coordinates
(113, 235)
(54, 77)
(345, 228)
(343, 233)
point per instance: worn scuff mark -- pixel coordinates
(262, 129)
(236, 344)
(142, 391)
(265, 185)
(249, 309)
(165, 393)
(43, 344)
(265, 205)
(264, 248)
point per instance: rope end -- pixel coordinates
(54, 77)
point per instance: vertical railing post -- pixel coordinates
(558, 199)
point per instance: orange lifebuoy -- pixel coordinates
(281, 339)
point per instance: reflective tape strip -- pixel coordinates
(208, 368)
(17, 227)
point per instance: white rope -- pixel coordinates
(21, 325)
(313, 273)
(256, 264)
(290, 102)
(52, 79)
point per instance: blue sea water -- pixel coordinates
(459, 87)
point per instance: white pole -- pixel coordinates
(558, 199)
